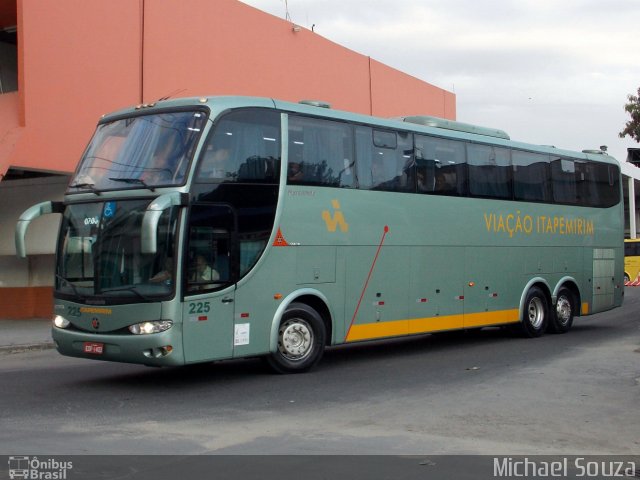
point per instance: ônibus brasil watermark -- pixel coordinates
(34, 468)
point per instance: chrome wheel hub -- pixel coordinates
(536, 313)
(563, 310)
(295, 339)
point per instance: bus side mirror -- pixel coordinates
(148, 234)
(25, 219)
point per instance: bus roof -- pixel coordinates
(414, 123)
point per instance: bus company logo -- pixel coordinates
(335, 220)
(95, 323)
(36, 469)
(518, 224)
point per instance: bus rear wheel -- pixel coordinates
(563, 313)
(301, 340)
(535, 315)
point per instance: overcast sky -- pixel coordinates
(553, 72)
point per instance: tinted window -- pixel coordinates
(598, 184)
(531, 177)
(564, 176)
(385, 139)
(441, 166)
(389, 168)
(320, 153)
(631, 249)
(489, 171)
(209, 254)
(243, 147)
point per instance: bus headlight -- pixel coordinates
(61, 322)
(146, 328)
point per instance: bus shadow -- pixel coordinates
(458, 344)
(230, 370)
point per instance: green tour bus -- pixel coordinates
(202, 229)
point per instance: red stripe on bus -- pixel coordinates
(366, 283)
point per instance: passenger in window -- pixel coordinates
(424, 184)
(446, 182)
(164, 275)
(203, 272)
(295, 173)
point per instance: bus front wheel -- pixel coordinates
(301, 340)
(562, 317)
(535, 315)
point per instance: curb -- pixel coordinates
(29, 347)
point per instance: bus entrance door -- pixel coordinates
(208, 311)
(208, 326)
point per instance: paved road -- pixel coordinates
(481, 393)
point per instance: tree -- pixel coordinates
(632, 127)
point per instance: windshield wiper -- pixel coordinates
(133, 181)
(73, 287)
(90, 186)
(128, 289)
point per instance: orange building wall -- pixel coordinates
(394, 93)
(230, 48)
(78, 60)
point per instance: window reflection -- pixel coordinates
(148, 150)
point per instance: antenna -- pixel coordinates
(286, 8)
(175, 92)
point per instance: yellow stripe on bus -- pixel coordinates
(396, 328)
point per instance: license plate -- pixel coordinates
(93, 348)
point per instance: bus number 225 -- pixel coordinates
(199, 307)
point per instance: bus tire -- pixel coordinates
(535, 314)
(301, 340)
(563, 313)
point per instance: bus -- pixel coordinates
(203, 229)
(631, 259)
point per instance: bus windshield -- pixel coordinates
(140, 152)
(99, 253)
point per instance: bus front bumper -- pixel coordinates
(157, 349)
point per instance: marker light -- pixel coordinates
(146, 328)
(61, 322)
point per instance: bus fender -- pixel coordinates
(288, 300)
(531, 283)
(561, 283)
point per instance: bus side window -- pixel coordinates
(385, 160)
(563, 176)
(244, 147)
(442, 168)
(209, 254)
(320, 153)
(489, 171)
(600, 186)
(531, 177)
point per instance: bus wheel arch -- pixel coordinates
(320, 306)
(535, 309)
(300, 331)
